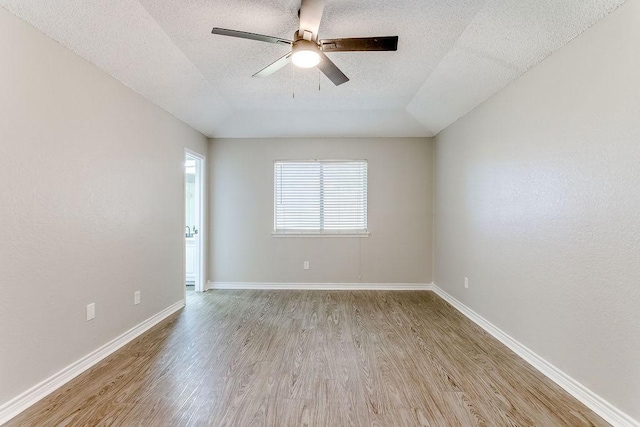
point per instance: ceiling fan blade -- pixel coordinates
(331, 70)
(363, 44)
(274, 66)
(250, 36)
(310, 16)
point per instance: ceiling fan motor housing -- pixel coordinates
(302, 44)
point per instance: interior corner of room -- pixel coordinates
(495, 175)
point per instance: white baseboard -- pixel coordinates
(323, 286)
(597, 404)
(18, 404)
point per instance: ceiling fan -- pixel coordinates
(307, 50)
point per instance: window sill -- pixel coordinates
(316, 234)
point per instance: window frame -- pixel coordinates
(319, 233)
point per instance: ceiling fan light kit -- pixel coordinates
(307, 51)
(306, 54)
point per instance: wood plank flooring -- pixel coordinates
(316, 358)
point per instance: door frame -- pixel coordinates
(200, 285)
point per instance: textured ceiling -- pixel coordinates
(452, 55)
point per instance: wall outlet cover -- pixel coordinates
(91, 311)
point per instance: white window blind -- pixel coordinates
(320, 197)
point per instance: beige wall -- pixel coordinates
(538, 203)
(399, 249)
(91, 188)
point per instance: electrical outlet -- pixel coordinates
(91, 311)
(136, 298)
(306, 265)
(466, 282)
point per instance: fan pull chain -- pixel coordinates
(319, 79)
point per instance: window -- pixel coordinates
(320, 197)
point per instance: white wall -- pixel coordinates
(91, 190)
(399, 249)
(538, 203)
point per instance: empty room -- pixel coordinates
(320, 213)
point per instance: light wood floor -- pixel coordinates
(280, 358)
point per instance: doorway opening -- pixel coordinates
(194, 221)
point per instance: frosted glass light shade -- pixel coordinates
(305, 58)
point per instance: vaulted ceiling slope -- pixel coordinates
(452, 56)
